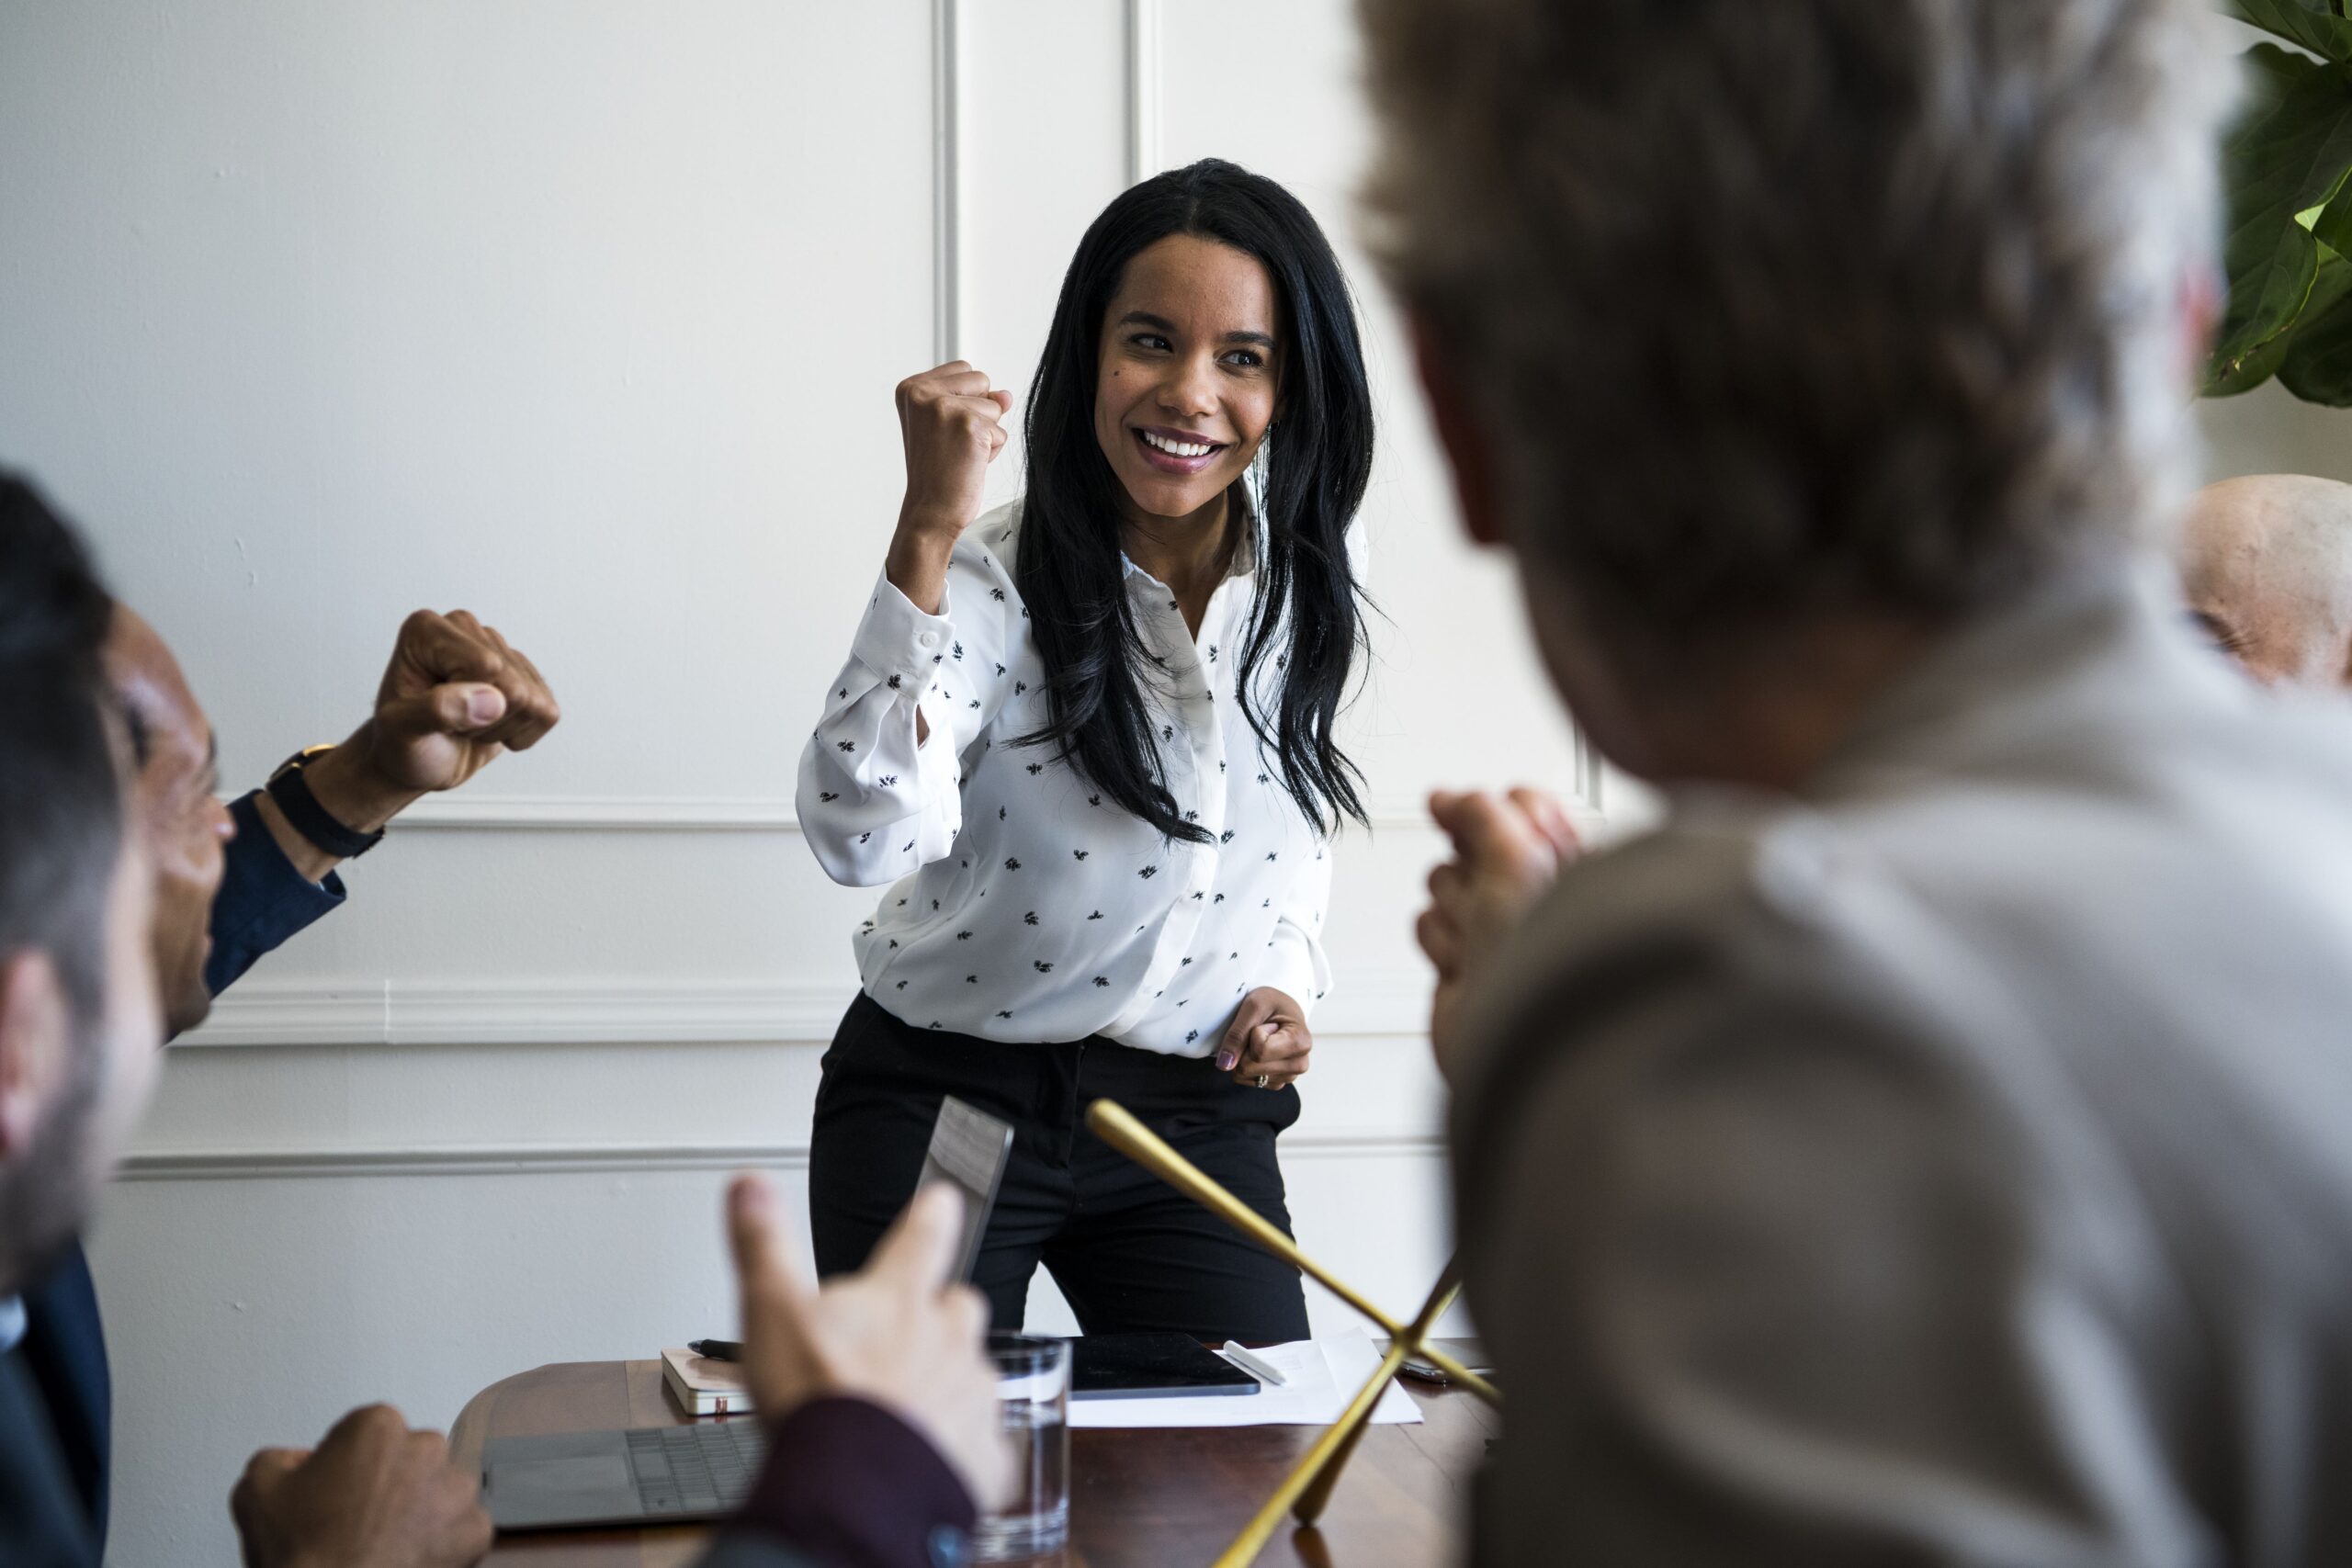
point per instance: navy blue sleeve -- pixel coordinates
(263, 900)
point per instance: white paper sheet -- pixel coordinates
(1323, 1374)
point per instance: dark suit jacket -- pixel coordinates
(42, 1521)
(263, 901)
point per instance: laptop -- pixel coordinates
(703, 1470)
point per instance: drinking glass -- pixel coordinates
(1032, 1400)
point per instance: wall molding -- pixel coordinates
(1143, 90)
(395, 1012)
(399, 1013)
(687, 814)
(560, 1159)
(600, 813)
(950, 309)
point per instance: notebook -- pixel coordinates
(704, 1387)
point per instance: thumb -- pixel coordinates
(270, 1466)
(1551, 820)
(459, 707)
(764, 1267)
(920, 1248)
(1255, 1009)
(1482, 829)
(1003, 398)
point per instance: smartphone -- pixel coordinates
(968, 1150)
(1469, 1352)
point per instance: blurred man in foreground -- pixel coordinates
(882, 1410)
(78, 1016)
(1928, 1146)
(234, 882)
(2266, 562)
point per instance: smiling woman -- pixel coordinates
(1088, 741)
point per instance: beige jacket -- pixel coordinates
(1953, 1165)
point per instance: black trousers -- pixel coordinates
(1128, 1251)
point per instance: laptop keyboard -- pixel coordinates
(706, 1468)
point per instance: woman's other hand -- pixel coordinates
(953, 423)
(1268, 1038)
(1507, 850)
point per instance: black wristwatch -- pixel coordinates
(313, 821)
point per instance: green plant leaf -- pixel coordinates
(2333, 283)
(2317, 365)
(2268, 74)
(2313, 24)
(2284, 162)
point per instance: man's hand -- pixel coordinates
(896, 1333)
(454, 696)
(1268, 1035)
(1507, 852)
(374, 1495)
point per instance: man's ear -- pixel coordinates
(34, 1038)
(1469, 451)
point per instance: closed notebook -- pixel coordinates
(704, 1387)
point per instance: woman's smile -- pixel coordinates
(1177, 451)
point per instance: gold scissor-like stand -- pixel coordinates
(1307, 1488)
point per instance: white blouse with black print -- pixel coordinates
(1023, 905)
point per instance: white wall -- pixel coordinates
(586, 316)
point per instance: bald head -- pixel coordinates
(2266, 563)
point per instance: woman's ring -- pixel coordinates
(1262, 1081)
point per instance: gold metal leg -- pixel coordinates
(1310, 1504)
(1308, 1489)
(1339, 1438)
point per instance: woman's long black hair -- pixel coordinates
(1307, 617)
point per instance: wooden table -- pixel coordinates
(1157, 1497)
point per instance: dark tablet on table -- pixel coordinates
(1144, 1366)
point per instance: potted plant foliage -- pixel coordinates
(2289, 250)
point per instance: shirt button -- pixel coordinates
(928, 639)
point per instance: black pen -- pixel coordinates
(716, 1349)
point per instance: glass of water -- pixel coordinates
(1032, 1400)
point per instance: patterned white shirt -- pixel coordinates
(1023, 905)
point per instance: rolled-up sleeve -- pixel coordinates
(874, 803)
(1297, 964)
